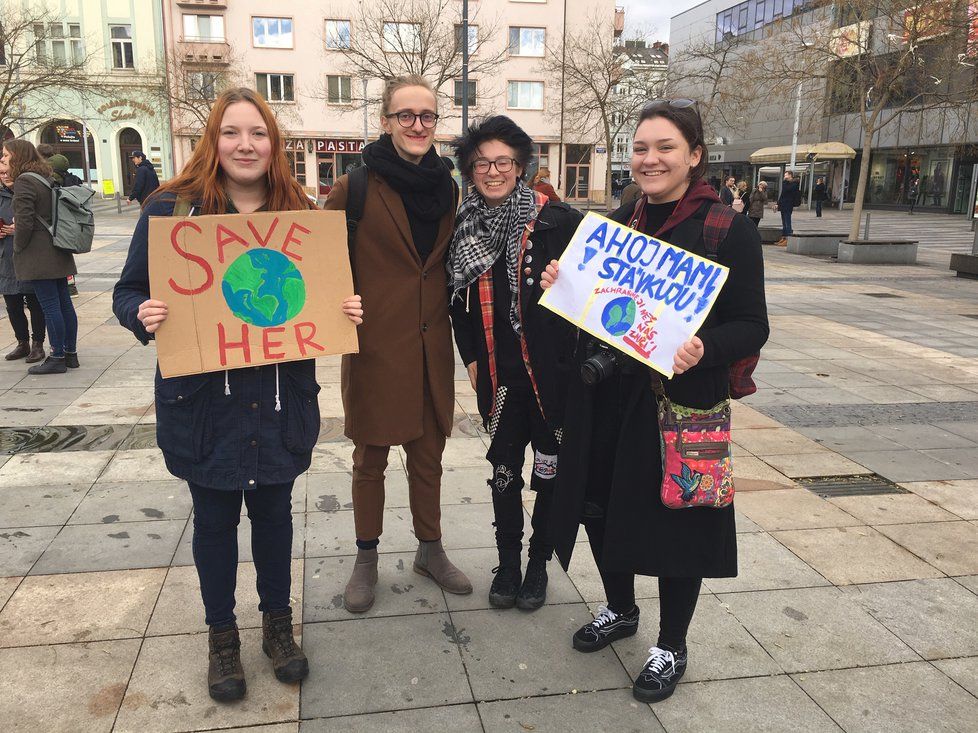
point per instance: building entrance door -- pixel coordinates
(129, 142)
(577, 172)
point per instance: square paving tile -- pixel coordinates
(957, 497)
(918, 436)
(185, 551)
(400, 591)
(38, 506)
(584, 575)
(48, 609)
(801, 465)
(850, 555)
(607, 710)
(906, 465)
(87, 547)
(850, 438)
(891, 509)
(949, 546)
(774, 441)
(168, 689)
(792, 509)
(460, 452)
(765, 564)
(455, 718)
(21, 546)
(51, 469)
(964, 459)
(332, 491)
(7, 588)
(180, 610)
(816, 628)
(963, 671)
(969, 581)
(936, 618)
(900, 698)
(65, 688)
(508, 654)
(419, 667)
(147, 463)
(134, 501)
(755, 705)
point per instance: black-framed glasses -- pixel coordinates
(503, 165)
(406, 119)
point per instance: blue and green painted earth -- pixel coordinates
(618, 316)
(264, 288)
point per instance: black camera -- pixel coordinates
(600, 365)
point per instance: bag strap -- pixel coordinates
(54, 201)
(719, 217)
(182, 207)
(356, 200)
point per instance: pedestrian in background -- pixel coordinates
(742, 198)
(913, 193)
(400, 389)
(146, 179)
(36, 259)
(758, 200)
(788, 199)
(516, 354)
(631, 193)
(242, 434)
(819, 196)
(17, 294)
(59, 166)
(541, 183)
(729, 191)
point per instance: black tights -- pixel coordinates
(18, 319)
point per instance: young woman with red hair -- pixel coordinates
(242, 434)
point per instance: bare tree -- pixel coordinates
(192, 81)
(395, 37)
(603, 89)
(881, 61)
(39, 63)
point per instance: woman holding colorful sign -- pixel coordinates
(517, 355)
(612, 479)
(240, 434)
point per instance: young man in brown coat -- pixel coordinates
(399, 389)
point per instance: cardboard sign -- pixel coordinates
(642, 296)
(250, 289)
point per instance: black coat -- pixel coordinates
(146, 182)
(642, 535)
(789, 192)
(549, 338)
(726, 196)
(209, 437)
(819, 193)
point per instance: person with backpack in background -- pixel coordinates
(146, 179)
(63, 177)
(788, 199)
(611, 465)
(16, 293)
(36, 258)
(400, 389)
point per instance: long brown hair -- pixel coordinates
(24, 158)
(202, 178)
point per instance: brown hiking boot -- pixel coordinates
(359, 594)
(277, 641)
(225, 675)
(20, 351)
(37, 352)
(432, 561)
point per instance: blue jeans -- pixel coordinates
(215, 545)
(818, 208)
(59, 315)
(786, 221)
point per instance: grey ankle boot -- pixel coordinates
(432, 561)
(359, 594)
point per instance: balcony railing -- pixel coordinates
(619, 21)
(205, 50)
(203, 4)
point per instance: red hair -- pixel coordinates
(202, 178)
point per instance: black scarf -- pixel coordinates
(425, 188)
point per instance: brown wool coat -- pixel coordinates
(35, 256)
(405, 331)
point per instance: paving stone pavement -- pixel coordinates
(852, 613)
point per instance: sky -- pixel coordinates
(653, 14)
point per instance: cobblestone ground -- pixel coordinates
(854, 612)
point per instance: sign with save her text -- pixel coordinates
(641, 295)
(250, 289)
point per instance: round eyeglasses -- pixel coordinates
(406, 119)
(503, 165)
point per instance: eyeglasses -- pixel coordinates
(406, 119)
(681, 103)
(503, 165)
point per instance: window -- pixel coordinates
(58, 44)
(337, 34)
(297, 162)
(338, 90)
(402, 37)
(525, 95)
(527, 41)
(202, 85)
(203, 28)
(271, 32)
(276, 87)
(121, 36)
(472, 93)
(473, 38)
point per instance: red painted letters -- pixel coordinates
(208, 272)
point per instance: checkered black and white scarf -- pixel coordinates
(482, 234)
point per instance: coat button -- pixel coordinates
(529, 245)
(254, 405)
(527, 270)
(528, 259)
(254, 443)
(424, 275)
(424, 326)
(529, 281)
(251, 482)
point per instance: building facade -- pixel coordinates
(96, 130)
(294, 55)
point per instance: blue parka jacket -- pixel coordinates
(223, 437)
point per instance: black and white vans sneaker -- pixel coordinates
(658, 678)
(607, 627)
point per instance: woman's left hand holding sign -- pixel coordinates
(353, 308)
(151, 314)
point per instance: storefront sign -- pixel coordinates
(717, 157)
(338, 146)
(68, 134)
(851, 40)
(125, 109)
(600, 150)
(108, 187)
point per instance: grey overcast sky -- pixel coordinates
(653, 14)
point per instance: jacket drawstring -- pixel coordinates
(467, 291)
(278, 404)
(227, 386)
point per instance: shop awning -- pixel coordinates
(782, 153)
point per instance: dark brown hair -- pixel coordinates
(24, 158)
(687, 119)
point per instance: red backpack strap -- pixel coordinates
(716, 226)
